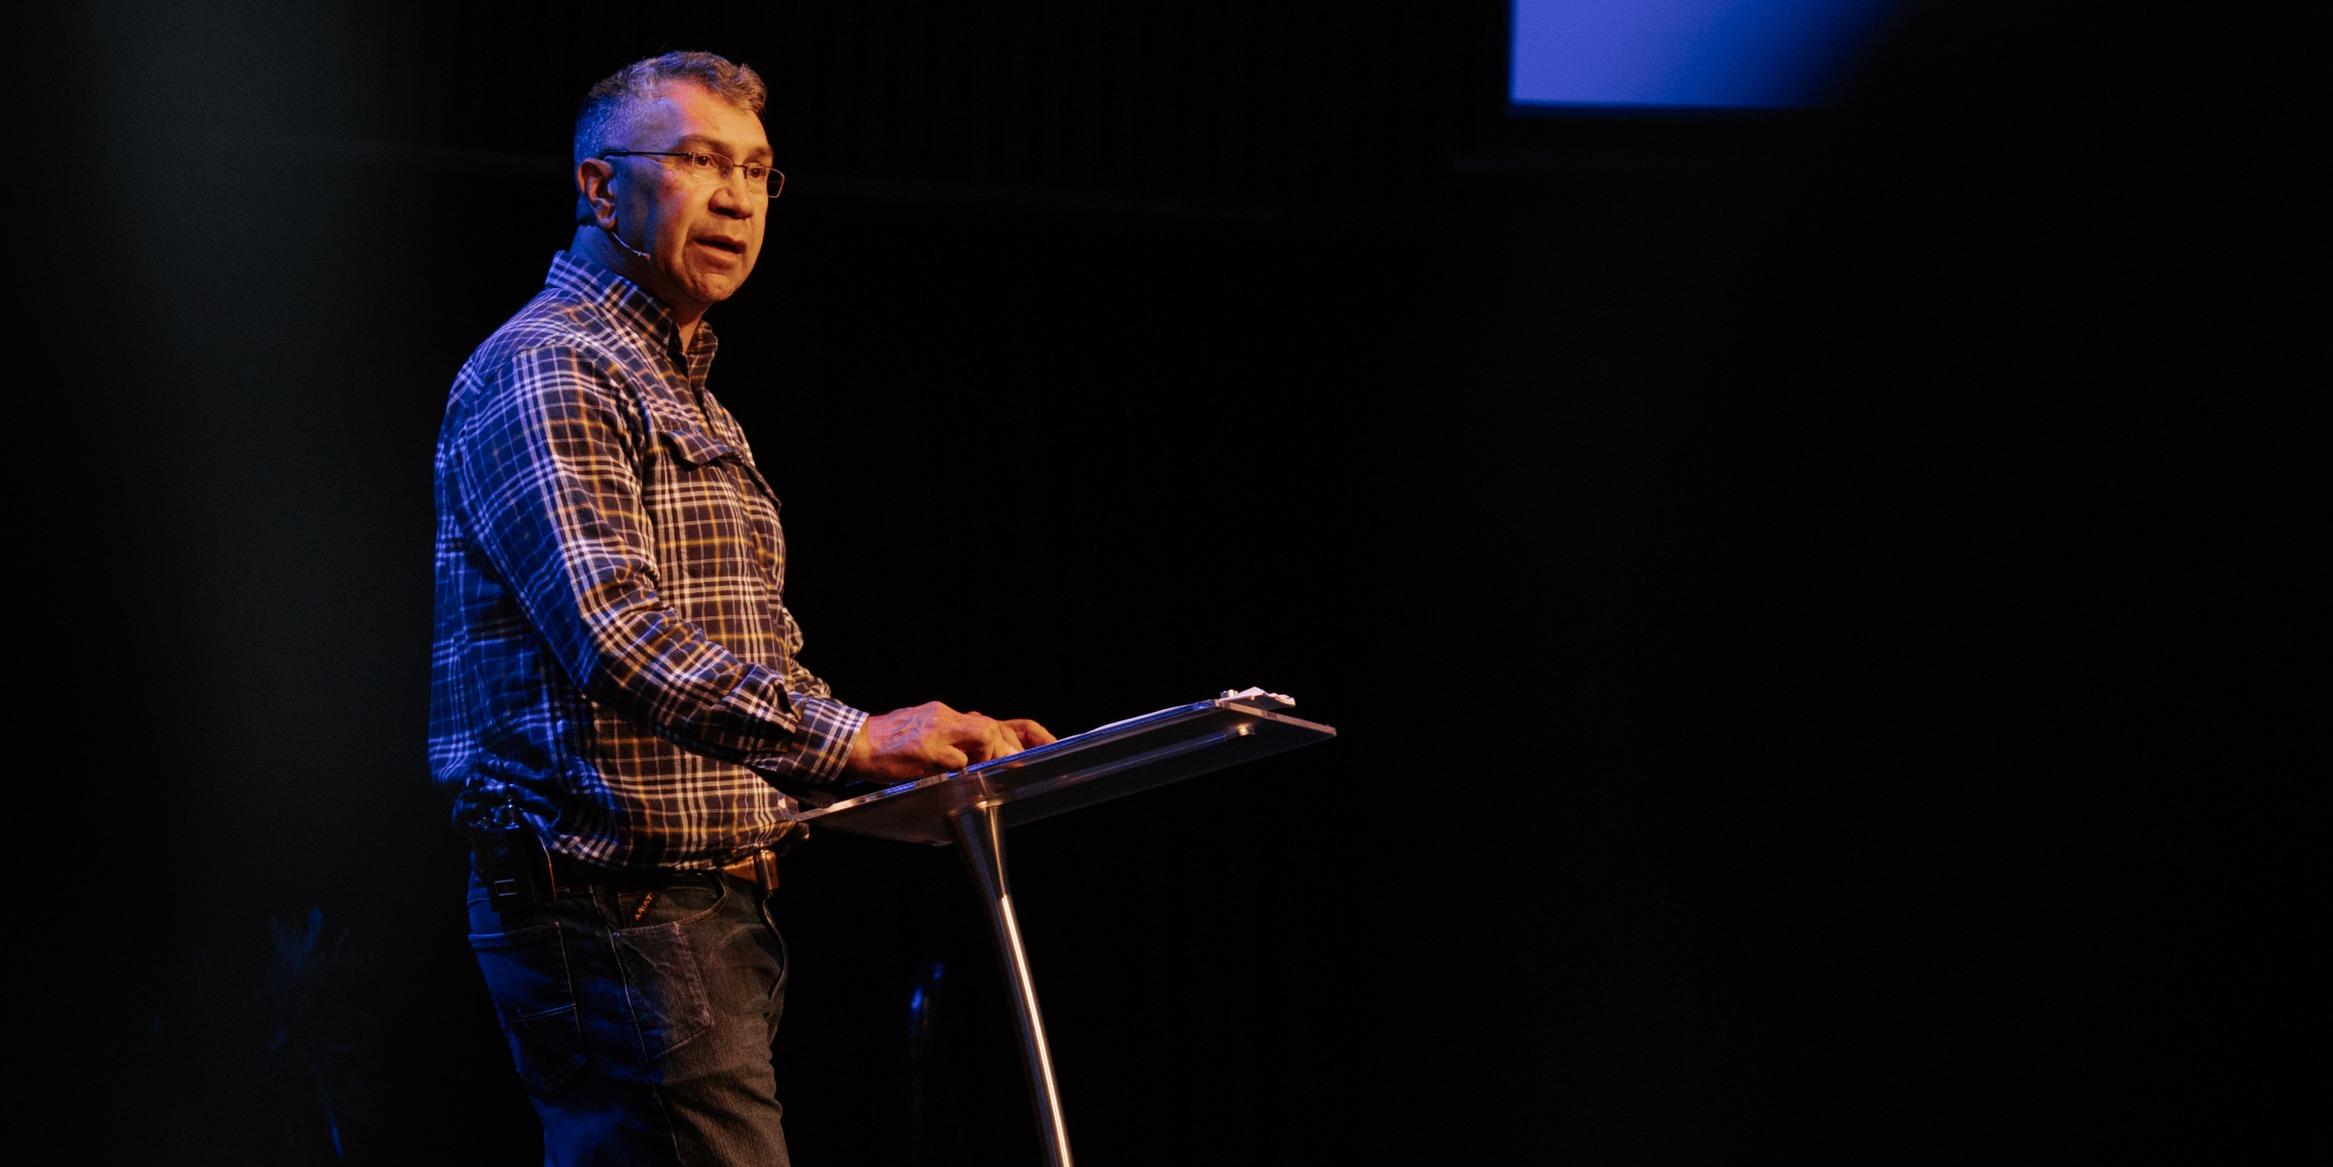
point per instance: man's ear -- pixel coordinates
(595, 193)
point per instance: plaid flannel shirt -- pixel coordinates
(612, 658)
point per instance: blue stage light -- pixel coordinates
(1761, 54)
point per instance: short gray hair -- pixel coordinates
(612, 100)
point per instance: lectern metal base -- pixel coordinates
(979, 831)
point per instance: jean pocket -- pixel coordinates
(526, 974)
(669, 1003)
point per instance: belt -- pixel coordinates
(759, 868)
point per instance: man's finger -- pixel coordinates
(999, 740)
(1001, 734)
(1030, 733)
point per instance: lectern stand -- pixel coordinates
(972, 807)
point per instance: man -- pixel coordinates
(618, 708)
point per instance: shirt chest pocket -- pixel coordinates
(692, 448)
(717, 541)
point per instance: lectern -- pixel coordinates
(972, 807)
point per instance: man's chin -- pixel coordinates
(714, 289)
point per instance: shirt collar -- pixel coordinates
(632, 308)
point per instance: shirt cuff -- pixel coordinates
(828, 728)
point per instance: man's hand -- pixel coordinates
(931, 738)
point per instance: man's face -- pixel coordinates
(702, 237)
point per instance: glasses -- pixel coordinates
(706, 166)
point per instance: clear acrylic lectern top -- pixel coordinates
(1100, 764)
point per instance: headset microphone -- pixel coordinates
(626, 246)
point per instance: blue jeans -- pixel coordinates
(640, 1019)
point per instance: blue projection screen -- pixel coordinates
(1715, 54)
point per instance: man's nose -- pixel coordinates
(731, 196)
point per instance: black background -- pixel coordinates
(1822, 612)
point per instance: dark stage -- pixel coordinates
(1823, 611)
